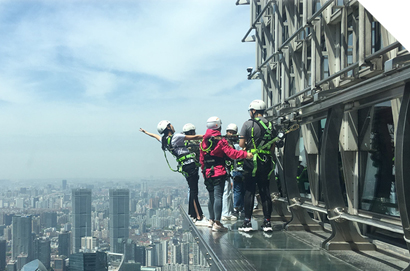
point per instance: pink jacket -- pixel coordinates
(222, 149)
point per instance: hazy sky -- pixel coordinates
(79, 78)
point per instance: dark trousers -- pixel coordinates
(192, 178)
(261, 179)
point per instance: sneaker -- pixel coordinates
(267, 234)
(246, 227)
(201, 222)
(210, 223)
(219, 227)
(229, 217)
(246, 234)
(235, 213)
(266, 226)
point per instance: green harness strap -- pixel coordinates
(179, 167)
(298, 177)
(264, 149)
(179, 160)
(261, 149)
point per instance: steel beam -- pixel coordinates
(402, 162)
(300, 217)
(345, 234)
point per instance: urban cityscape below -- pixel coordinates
(109, 225)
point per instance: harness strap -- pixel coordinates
(179, 159)
(300, 175)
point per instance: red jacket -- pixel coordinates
(222, 149)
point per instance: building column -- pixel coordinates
(345, 234)
(401, 162)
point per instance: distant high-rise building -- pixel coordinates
(20, 203)
(48, 220)
(129, 250)
(153, 203)
(22, 259)
(130, 267)
(6, 219)
(140, 255)
(88, 262)
(184, 254)
(81, 216)
(64, 184)
(158, 254)
(35, 224)
(176, 257)
(150, 256)
(144, 187)
(163, 260)
(11, 266)
(119, 218)
(89, 243)
(3, 249)
(7, 233)
(21, 237)
(64, 244)
(33, 202)
(42, 251)
(59, 264)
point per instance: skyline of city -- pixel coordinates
(154, 215)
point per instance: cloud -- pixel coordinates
(78, 78)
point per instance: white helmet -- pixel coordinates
(162, 125)
(188, 127)
(232, 127)
(257, 105)
(213, 123)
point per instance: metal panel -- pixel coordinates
(402, 162)
(300, 217)
(345, 234)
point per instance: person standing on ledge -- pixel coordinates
(255, 133)
(175, 143)
(213, 150)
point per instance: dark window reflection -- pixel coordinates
(302, 171)
(377, 160)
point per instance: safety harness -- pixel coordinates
(180, 158)
(211, 161)
(193, 147)
(266, 142)
(260, 144)
(233, 164)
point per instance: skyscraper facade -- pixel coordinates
(64, 244)
(140, 255)
(3, 249)
(96, 261)
(42, 251)
(22, 241)
(119, 218)
(81, 216)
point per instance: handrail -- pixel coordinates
(346, 216)
(215, 259)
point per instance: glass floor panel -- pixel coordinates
(295, 260)
(282, 250)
